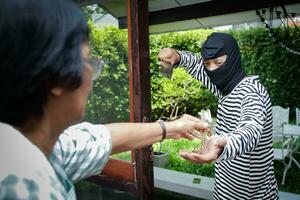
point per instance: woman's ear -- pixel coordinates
(56, 91)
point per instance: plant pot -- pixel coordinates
(160, 159)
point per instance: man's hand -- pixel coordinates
(168, 56)
(210, 152)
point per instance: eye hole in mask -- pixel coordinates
(212, 64)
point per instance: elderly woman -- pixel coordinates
(242, 146)
(45, 82)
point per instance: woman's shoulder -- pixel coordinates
(24, 169)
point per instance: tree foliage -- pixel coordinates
(182, 93)
(109, 100)
(278, 69)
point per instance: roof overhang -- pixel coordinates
(175, 15)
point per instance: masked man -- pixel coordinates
(242, 146)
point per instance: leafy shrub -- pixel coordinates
(109, 100)
(182, 91)
(278, 70)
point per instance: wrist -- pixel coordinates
(222, 142)
(163, 127)
(178, 59)
(171, 128)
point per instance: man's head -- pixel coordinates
(222, 61)
(41, 48)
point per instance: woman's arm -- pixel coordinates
(83, 149)
(127, 136)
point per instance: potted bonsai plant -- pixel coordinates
(160, 159)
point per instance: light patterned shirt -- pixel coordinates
(25, 172)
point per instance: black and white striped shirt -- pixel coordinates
(245, 169)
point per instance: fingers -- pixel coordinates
(221, 141)
(164, 54)
(164, 64)
(194, 157)
(177, 136)
(168, 55)
(188, 156)
(187, 136)
(192, 118)
(189, 116)
(218, 141)
(200, 125)
(198, 134)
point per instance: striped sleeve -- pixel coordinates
(194, 66)
(247, 135)
(83, 150)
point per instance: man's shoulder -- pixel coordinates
(253, 85)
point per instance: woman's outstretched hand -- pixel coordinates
(184, 126)
(212, 149)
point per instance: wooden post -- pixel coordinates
(139, 83)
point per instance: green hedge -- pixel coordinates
(183, 91)
(109, 100)
(278, 69)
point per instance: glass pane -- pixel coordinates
(123, 156)
(86, 190)
(109, 99)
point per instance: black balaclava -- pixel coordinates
(228, 75)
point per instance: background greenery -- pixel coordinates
(278, 69)
(182, 90)
(175, 161)
(109, 100)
